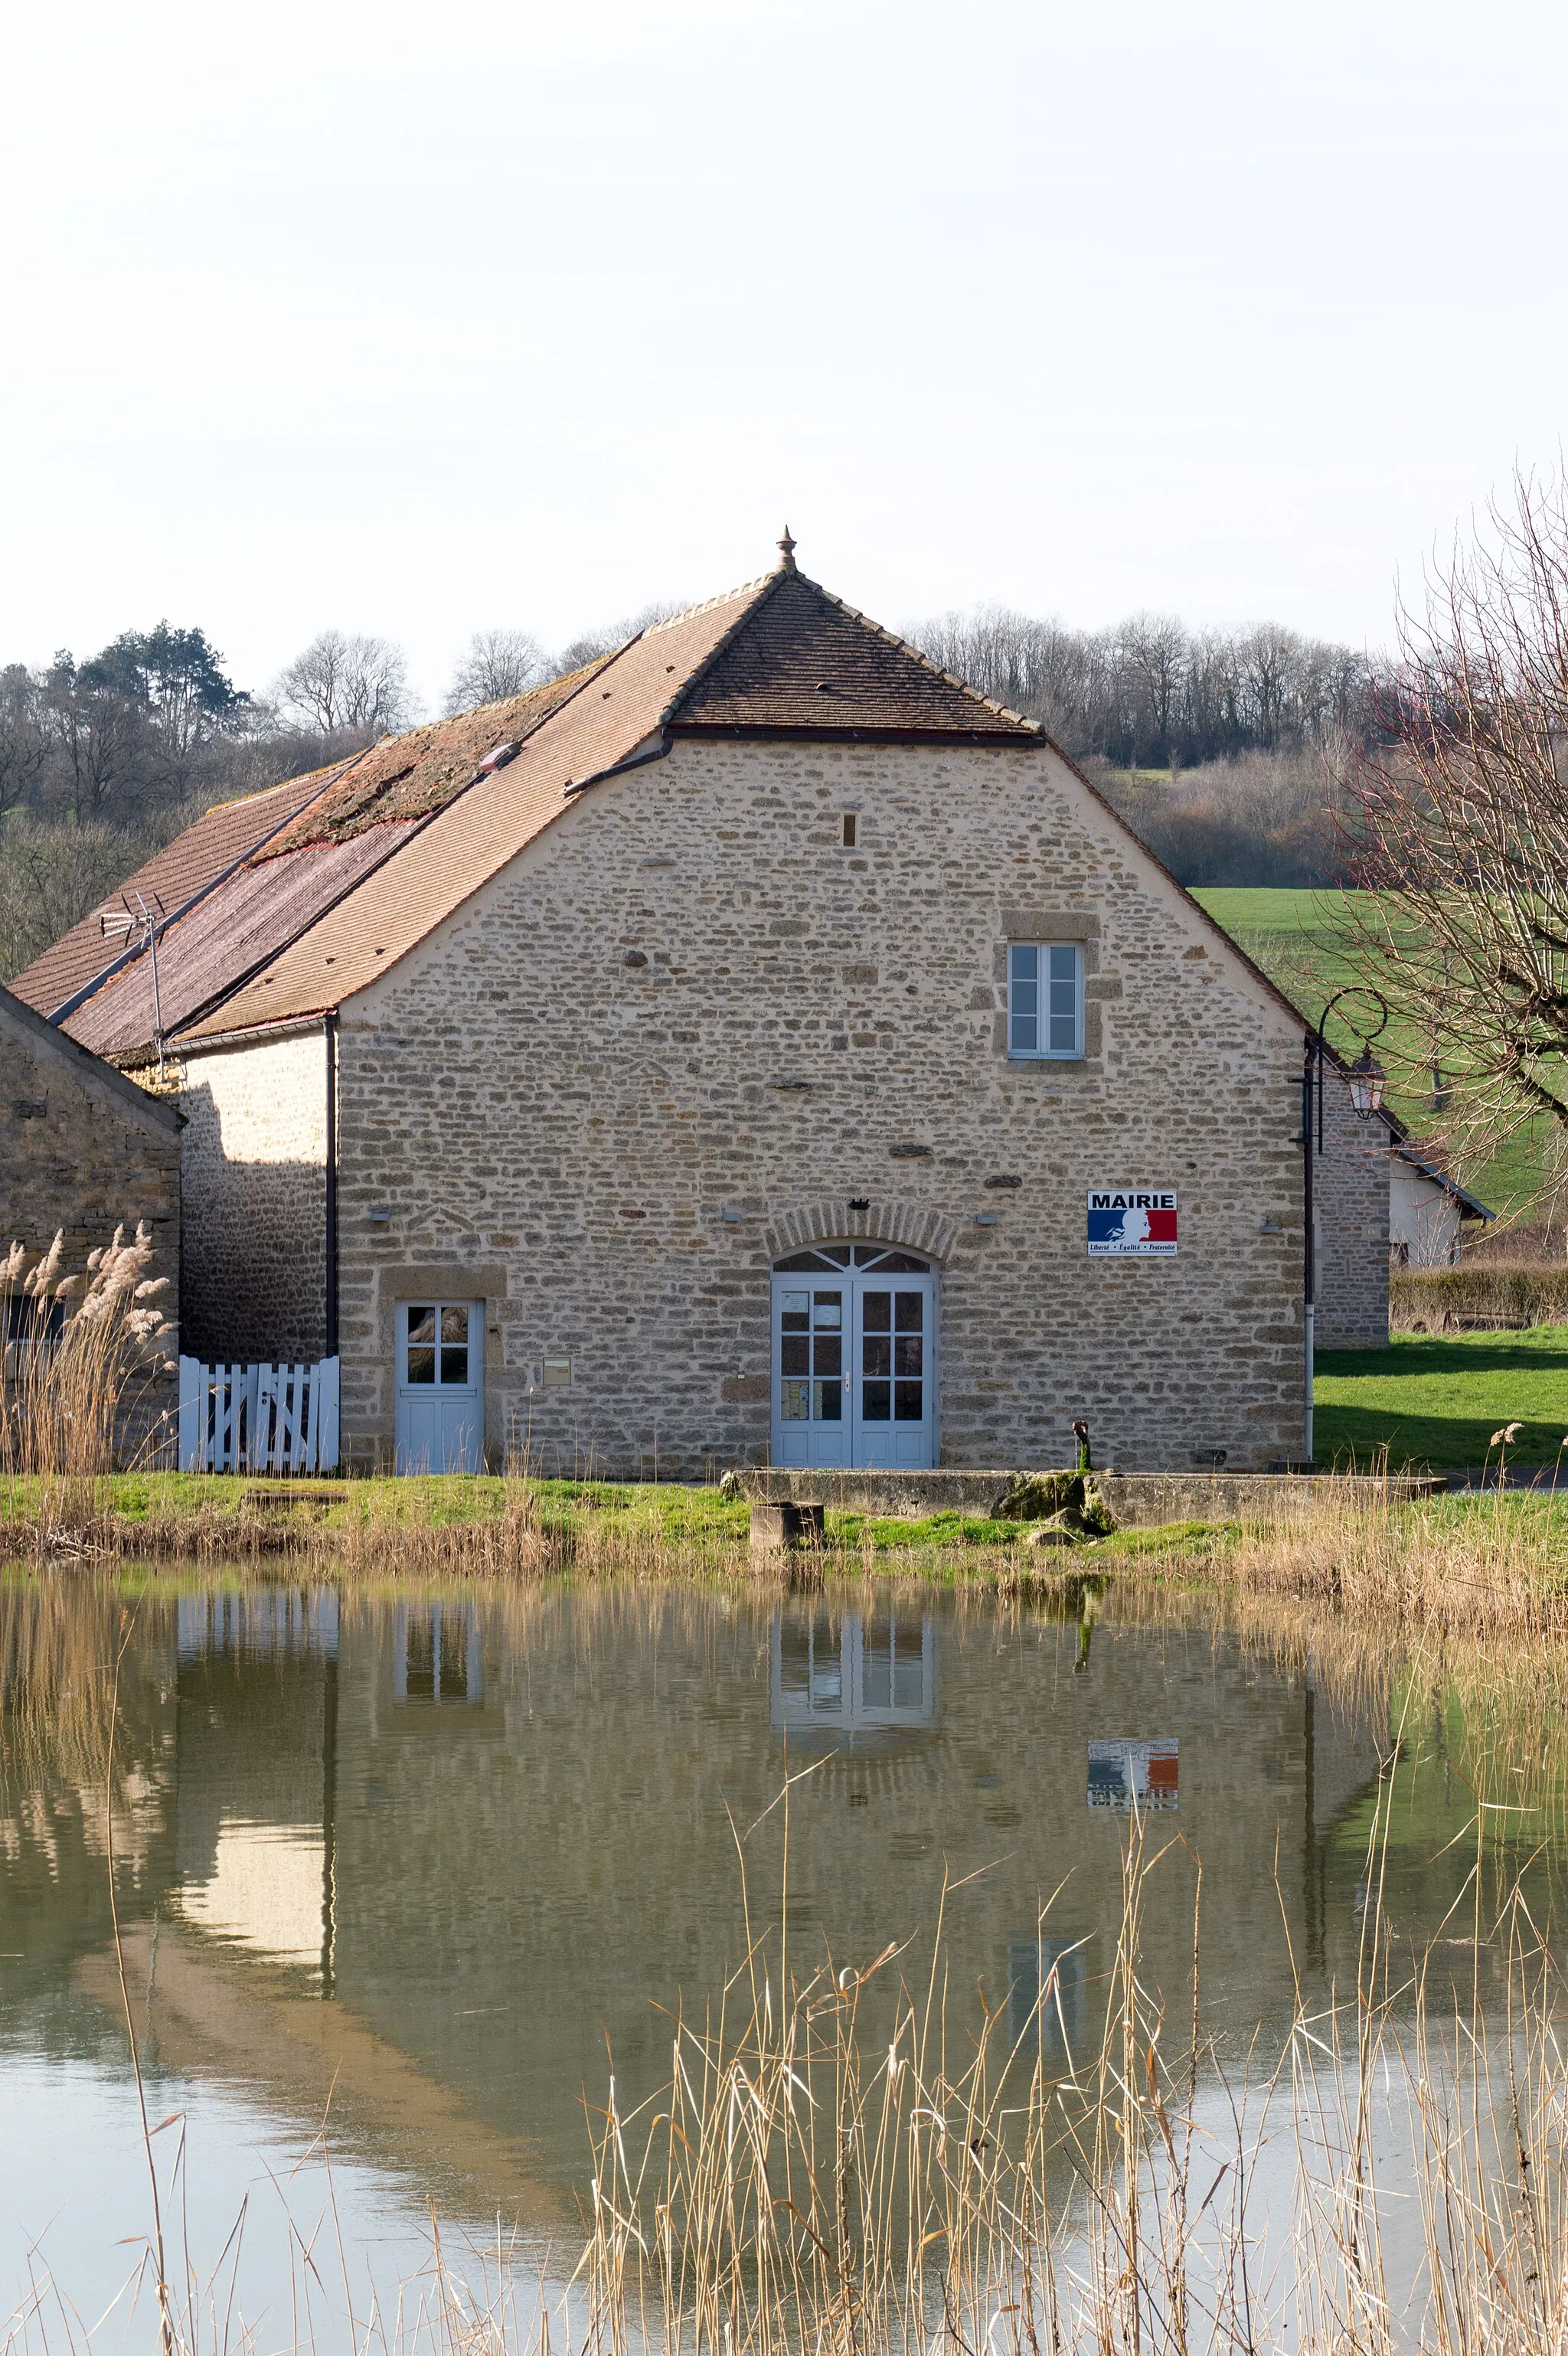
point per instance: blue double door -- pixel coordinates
(854, 1349)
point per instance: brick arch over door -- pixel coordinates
(832, 1220)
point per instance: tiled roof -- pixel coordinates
(415, 774)
(233, 932)
(446, 859)
(189, 866)
(800, 659)
(382, 847)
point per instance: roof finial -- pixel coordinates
(786, 552)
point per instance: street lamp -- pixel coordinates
(1365, 1080)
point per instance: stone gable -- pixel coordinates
(687, 1019)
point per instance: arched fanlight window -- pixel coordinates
(829, 1256)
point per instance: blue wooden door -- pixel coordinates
(441, 1386)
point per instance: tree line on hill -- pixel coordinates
(1218, 748)
(1210, 744)
(1152, 694)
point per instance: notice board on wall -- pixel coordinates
(1131, 1223)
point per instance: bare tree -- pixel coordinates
(347, 687)
(24, 743)
(1153, 651)
(1150, 693)
(498, 663)
(590, 644)
(1459, 825)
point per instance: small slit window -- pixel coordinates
(851, 830)
(1045, 999)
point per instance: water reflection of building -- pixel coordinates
(436, 1654)
(256, 1736)
(1125, 1774)
(1048, 1997)
(855, 1674)
(267, 1622)
(514, 1816)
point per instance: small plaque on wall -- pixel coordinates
(557, 1374)
(1131, 1223)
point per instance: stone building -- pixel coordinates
(715, 1057)
(1428, 1208)
(83, 1150)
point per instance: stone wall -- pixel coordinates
(255, 1199)
(1137, 1500)
(687, 1022)
(84, 1151)
(1352, 1205)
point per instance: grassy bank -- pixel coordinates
(492, 1525)
(1484, 1563)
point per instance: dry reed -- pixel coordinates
(77, 1344)
(1495, 1564)
(805, 2185)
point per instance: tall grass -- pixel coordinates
(806, 2182)
(80, 1341)
(1486, 1566)
(847, 2161)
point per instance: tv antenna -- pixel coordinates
(138, 927)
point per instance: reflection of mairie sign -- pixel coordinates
(1131, 1223)
(1125, 1771)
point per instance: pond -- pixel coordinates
(430, 1867)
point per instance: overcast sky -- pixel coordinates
(425, 319)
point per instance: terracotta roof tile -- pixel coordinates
(234, 931)
(414, 775)
(189, 866)
(800, 658)
(382, 847)
(475, 835)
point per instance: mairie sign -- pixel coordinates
(1131, 1223)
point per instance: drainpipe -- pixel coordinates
(1309, 1256)
(331, 1028)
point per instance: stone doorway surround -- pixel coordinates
(482, 1281)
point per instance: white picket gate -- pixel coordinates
(258, 1418)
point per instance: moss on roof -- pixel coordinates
(416, 774)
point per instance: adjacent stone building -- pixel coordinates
(83, 1150)
(716, 1057)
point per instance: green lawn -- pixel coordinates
(1297, 936)
(1437, 1400)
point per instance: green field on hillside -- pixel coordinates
(1300, 940)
